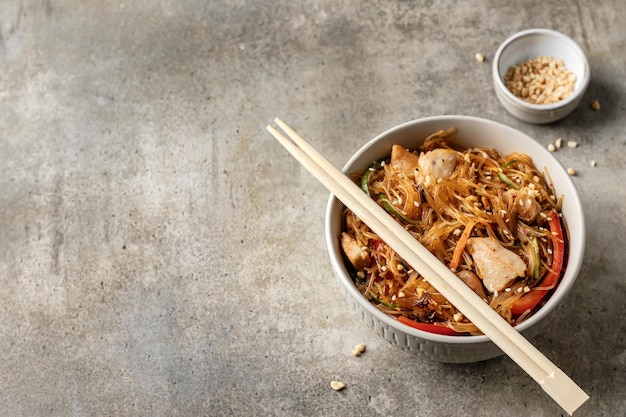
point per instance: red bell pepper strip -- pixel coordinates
(530, 300)
(431, 328)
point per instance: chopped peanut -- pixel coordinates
(559, 143)
(337, 385)
(360, 348)
(544, 80)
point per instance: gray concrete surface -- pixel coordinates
(162, 255)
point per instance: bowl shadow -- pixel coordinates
(584, 117)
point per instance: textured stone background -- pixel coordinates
(162, 255)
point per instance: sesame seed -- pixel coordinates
(595, 105)
(527, 289)
(572, 144)
(593, 163)
(571, 171)
(479, 57)
(551, 147)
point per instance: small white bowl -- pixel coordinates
(471, 132)
(529, 44)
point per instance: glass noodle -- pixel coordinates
(472, 208)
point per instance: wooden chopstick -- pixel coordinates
(552, 379)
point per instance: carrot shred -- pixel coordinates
(460, 245)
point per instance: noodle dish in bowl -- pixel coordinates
(489, 202)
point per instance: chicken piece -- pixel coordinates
(438, 163)
(496, 265)
(357, 255)
(403, 160)
(471, 280)
(526, 205)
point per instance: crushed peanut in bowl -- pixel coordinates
(544, 80)
(540, 75)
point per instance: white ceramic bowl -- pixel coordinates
(471, 132)
(529, 44)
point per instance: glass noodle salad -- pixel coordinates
(493, 219)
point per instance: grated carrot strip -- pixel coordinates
(460, 246)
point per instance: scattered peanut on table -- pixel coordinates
(360, 348)
(337, 385)
(558, 143)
